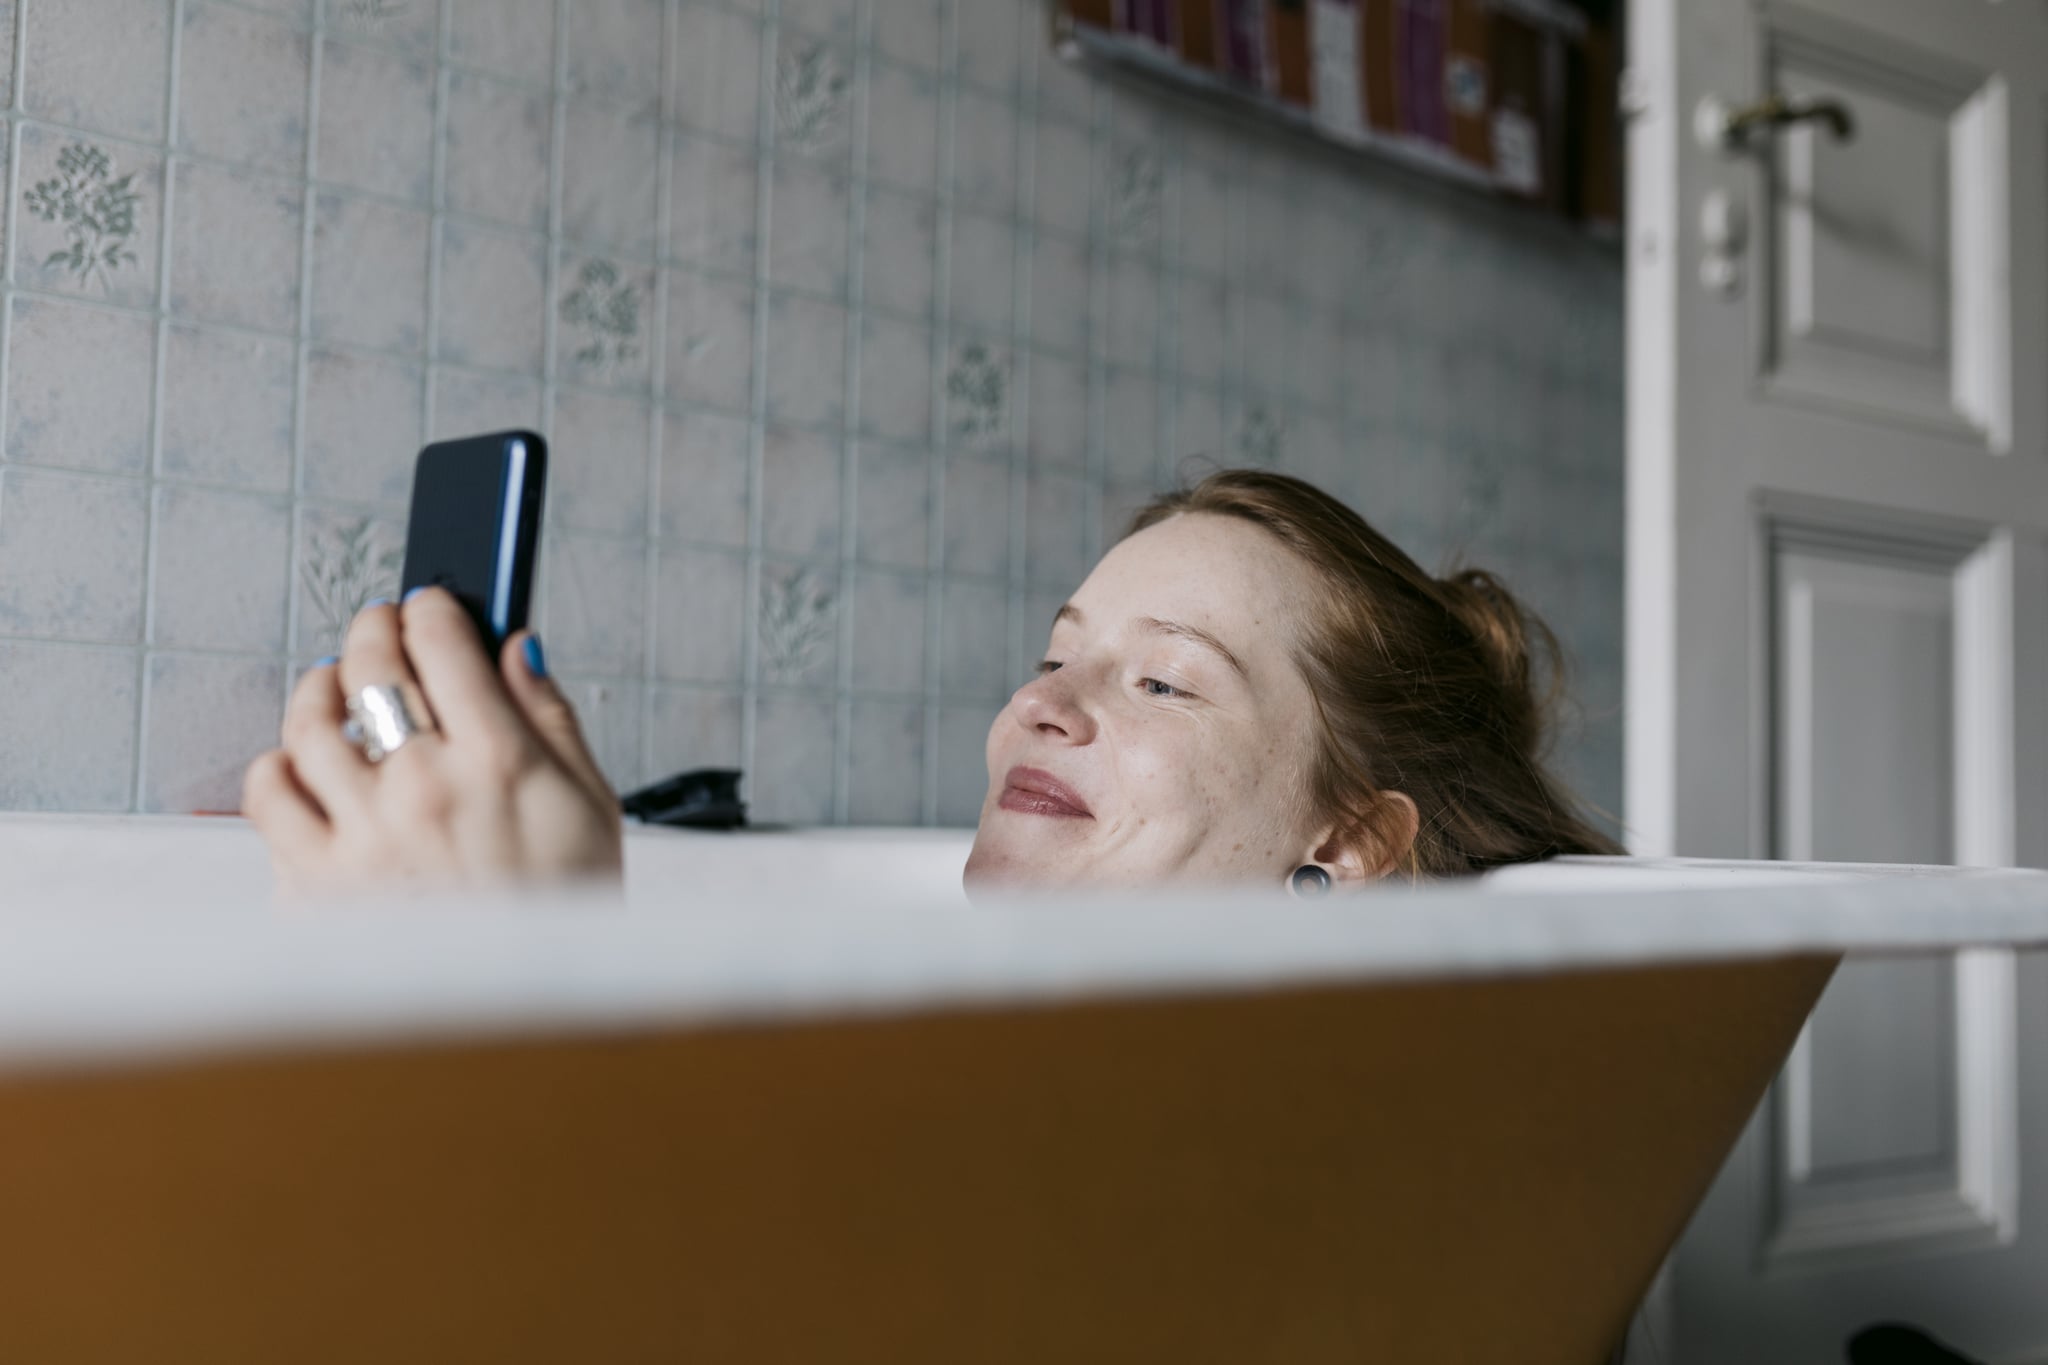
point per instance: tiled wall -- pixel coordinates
(858, 327)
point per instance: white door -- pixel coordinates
(1838, 619)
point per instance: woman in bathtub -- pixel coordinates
(1254, 686)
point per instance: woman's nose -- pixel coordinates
(1051, 706)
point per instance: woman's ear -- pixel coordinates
(1369, 851)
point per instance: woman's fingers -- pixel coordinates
(332, 770)
(374, 655)
(525, 669)
(282, 810)
(457, 672)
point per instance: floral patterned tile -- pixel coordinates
(798, 624)
(978, 395)
(89, 217)
(813, 97)
(603, 310)
(346, 559)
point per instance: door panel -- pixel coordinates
(1838, 623)
(1875, 290)
(1877, 1107)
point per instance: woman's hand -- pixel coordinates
(497, 786)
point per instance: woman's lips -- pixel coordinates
(1032, 791)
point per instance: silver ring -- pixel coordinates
(378, 722)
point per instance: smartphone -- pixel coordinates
(475, 526)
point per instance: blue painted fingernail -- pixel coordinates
(377, 602)
(414, 592)
(326, 661)
(536, 660)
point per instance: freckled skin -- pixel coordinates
(1207, 787)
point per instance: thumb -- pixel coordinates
(524, 665)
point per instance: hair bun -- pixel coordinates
(1514, 642)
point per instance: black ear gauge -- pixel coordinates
(1309, 882)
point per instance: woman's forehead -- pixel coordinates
(1219, 574)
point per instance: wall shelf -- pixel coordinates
(1148, 62)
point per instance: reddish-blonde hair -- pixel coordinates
(1439, 688)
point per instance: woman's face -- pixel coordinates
(1169, 734)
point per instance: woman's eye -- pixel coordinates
(1155, 688)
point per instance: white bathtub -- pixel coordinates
(130, 932)
(796, 1099)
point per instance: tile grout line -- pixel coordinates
(1101, 177)
(941, 361)
(657, 416)
(850, 442)
(139, 768)
(437, 216)
(1024, 251)
(551, 286)
(10, 225)
(1168, 389)
(767, 136)
(302, 346)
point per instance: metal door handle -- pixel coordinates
(1732, 130)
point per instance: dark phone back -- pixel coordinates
(475, 525)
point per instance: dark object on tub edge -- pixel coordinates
(1896, 1343)
(703, 798)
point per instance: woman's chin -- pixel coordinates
(1003, 859)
